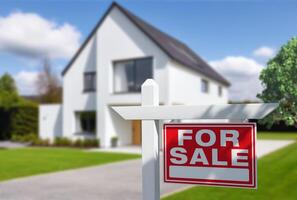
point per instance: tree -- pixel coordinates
(8, 92)
(279, 80)
(48, 85)
(7, 83)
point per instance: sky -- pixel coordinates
(236, 38)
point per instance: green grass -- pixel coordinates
(277, 136)
(16, 163)
(277, 179)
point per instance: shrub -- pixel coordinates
(78, 143)
(16, 138)
(41, 142)
(5, 116)
(24, 138)
(62, 142)
(24, 121)
(31, 138)
(90, 143)
(86, 143)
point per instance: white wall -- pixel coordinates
(120, 39)
(116, 126)
(50, 121)
(185, 87)
(74, 98)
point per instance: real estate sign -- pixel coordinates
(211, 154)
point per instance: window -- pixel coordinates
(220, 91)
(89, 81)
(204, 86)
(87, 122)
(129, 75)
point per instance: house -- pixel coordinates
(121, 52)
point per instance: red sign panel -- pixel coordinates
(211, 154)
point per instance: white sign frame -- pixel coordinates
(150, 113)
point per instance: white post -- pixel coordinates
(150, 144)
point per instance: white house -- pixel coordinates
(121, 52)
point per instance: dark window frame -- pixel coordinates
(130, 60)
(87, 121)
(94, 78)
(204, 82)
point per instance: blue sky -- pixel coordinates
(227, 34)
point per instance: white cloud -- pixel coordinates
(243, 73)
(26, 82)
(30, 35)
(264, 52)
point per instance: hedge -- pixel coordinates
(280, 126)
(18, 121)
(5, 117)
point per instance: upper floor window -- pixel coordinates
(220, 91)
(129, 75)
(89, 81)
(204, 86)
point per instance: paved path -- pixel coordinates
(108, 182)
(11, 145)
(265, 147)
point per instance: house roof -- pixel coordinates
(174, 48)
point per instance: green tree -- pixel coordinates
(279, 80)
(8, 92)
(7, 83)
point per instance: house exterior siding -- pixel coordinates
(118, 38)
(50, 121)
(74, 98)
(185, 87)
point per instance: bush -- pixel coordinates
(78, 143)
(5, 116)
(62, 142)
(17, 138)
(90, 143)
(32, 139)
(24, 138)
(18, 121)
(86, 143)
(41, 142)
(59, 141)
(24, 120)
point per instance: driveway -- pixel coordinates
(108, 182)
(12, 145)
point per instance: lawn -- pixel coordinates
(277, 179)
(16, 163)
(277, 135)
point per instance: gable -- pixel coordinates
(175, 49)
(82, 47)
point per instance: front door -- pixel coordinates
(136, 132)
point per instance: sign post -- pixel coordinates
(150, 144)
(150, 112)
